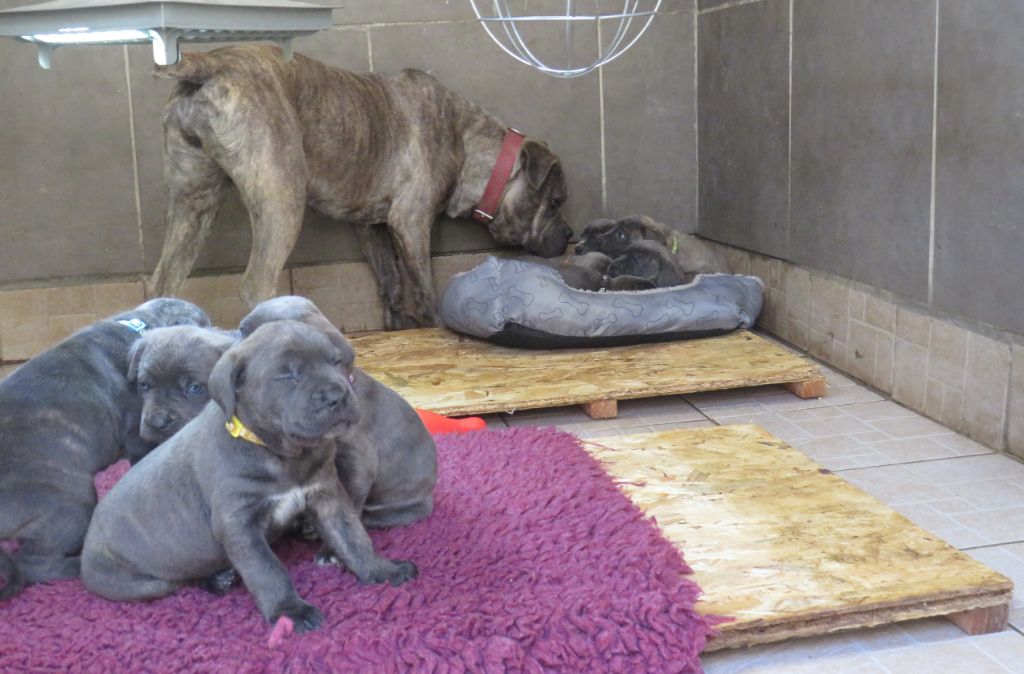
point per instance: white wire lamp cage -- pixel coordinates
(515, 25)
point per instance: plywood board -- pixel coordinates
(440, 371)
(787, 548)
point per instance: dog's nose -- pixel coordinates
(160, 421)
(329, 397)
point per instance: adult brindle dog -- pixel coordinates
(387, 153)
(65, 415)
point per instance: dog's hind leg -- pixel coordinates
(271, 178)
(196, 186)
(50, 546)
(379, 250)
(410, 220)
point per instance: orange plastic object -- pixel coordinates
(437, 423)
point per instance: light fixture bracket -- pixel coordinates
(165, 23)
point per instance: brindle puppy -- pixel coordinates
(652, 262)
(613, 237)
(170, 369)
(367, 149)
(65, 415)
(209, 499)
(388, 461)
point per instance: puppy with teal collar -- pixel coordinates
(64, 416)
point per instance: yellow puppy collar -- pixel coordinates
(675, 244)
(237, 429)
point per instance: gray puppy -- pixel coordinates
(589, 271)
(388, 460)
(212, 497)
(170, 369)
(613, 237)
(65, 415)
(651, 262)
(387, 153)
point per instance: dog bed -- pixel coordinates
(522, 304)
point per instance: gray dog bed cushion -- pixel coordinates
(528, 305)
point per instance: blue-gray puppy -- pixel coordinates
(65, 415)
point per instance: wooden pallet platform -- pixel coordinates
(789, 549)
(440, 371)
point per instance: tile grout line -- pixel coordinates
(723, 6)
(696, 117)
(789, 146)
(135, 155)
(601, 123)
(987, 546)
(935, 135)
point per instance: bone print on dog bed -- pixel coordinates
(521, 304)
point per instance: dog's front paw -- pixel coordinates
(395, 572)
(219, 583)
(304, 616)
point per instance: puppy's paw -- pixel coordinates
(325, 557)
(219, 583)
(394, 572)
(305, 617)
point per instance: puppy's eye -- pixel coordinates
(620, 234)
(195, 388)
(143, 385)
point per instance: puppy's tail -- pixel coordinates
(14, 580)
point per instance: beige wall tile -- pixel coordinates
(952, 409)
(738, 260)
(798, 305)
(220, 298)
(913, 327)
(112, 298)
(947, 353)
(1015, 422)
(761, 267)
(444, 267)
(933, 396)
(840, 356)
(880, 313)
(884, 357)
(910, 366)
(830, 307)
(863, 347)
(985, 390)
(819, 344)
(857, 302)
(24, 337)
(35, 319)
(773, 312)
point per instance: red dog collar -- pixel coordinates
(488, 206)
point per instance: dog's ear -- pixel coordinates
(225, 379)
(134, 358)
(537, 161)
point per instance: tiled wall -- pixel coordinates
(966, 375)
(81, 188)
(874, 148)
(34, 319)
(876, 140)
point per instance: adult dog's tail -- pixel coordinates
(193, 67)
(13, 579)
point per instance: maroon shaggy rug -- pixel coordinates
(532, 561)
